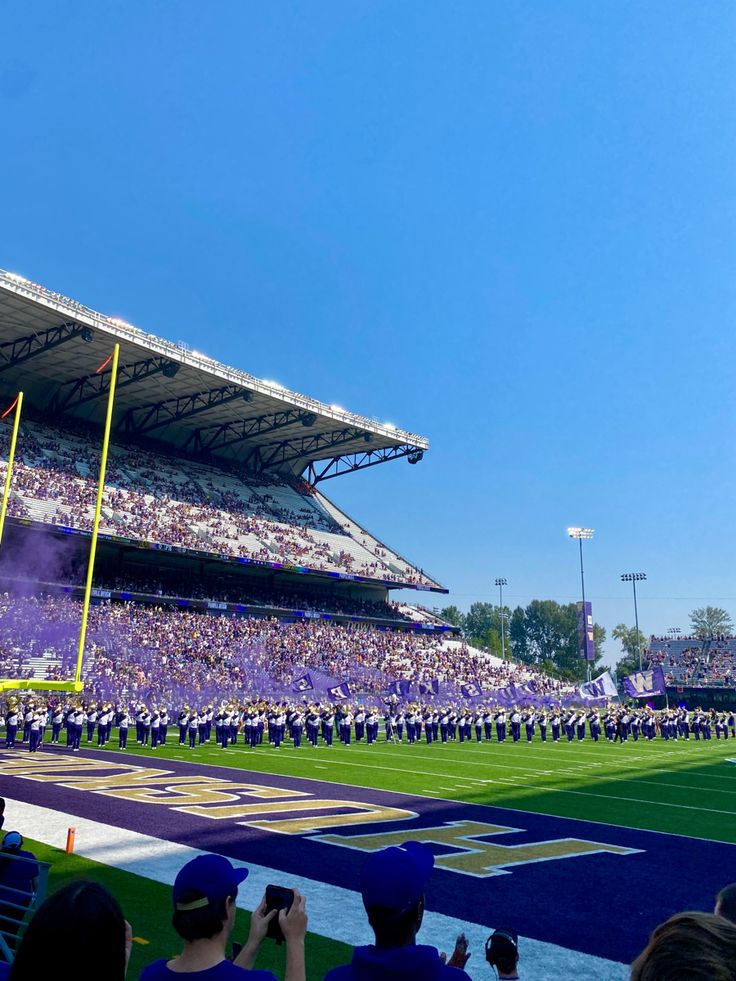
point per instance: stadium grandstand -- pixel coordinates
(699, 670)
(213, 504)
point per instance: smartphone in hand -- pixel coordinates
(278, 898)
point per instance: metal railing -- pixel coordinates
(18, 905)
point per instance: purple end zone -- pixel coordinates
(604, 904)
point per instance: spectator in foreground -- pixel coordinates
(693, 946)
(204, 897)
(726, 902)
(502, 953)
(393, 883)
(81, 923)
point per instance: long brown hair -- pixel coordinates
(689, 947)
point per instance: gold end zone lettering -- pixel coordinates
(189, 791)
(48, 769)
(475, 857)
(362, 814)
(304, 826)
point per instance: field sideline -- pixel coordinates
(683, 787)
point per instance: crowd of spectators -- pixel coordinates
(246, 591)
(165, 653)
(695, 663)
(185, 503)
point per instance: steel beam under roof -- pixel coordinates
(220, 435)
(292, 450)
(349, 462)
(94, 386)
(146, 418)
(22, 349)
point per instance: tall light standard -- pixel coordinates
(580, 534)
(501, 583)
(634, 578)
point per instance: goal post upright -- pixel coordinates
(77, 683)
(17, 405)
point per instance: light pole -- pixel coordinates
(501, 583)
(634, 578)
(580, 534)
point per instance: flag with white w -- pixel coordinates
(643, 684)
(601, 687)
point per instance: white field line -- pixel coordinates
(570, 766)
(520, 782)
(519, 810)
(333, 912)
(579, 771)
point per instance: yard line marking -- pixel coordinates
(575, 773)
(500, 804)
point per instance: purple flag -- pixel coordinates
(303, 683)
(643, 684)
(399, 688)
(429, 687)
(339, 692)
(471, 689)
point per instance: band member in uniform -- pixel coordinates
(501, 725)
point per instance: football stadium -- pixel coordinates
(201, 655)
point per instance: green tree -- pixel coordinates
(483, 627)
(627, 637)
(517, 637)
(454, 616)
(545, 634)
(706, 621)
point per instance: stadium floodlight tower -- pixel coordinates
(501, 583)
(580, 534)
(634, 578)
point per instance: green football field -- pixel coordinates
(685, 787)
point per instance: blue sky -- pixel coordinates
(509, 226)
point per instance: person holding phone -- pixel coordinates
(393, 882)
(204, 897)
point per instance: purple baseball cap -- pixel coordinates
(212, 876)
(396, 877)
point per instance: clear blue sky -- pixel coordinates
(509, 226)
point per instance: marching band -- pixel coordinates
(276, 722)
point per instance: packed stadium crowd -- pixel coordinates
(178, 502)
(245, 591)
(170, 654)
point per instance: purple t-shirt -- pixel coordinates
(224, 971)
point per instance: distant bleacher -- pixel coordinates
(693, 661)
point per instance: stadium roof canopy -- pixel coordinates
(51, 347)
